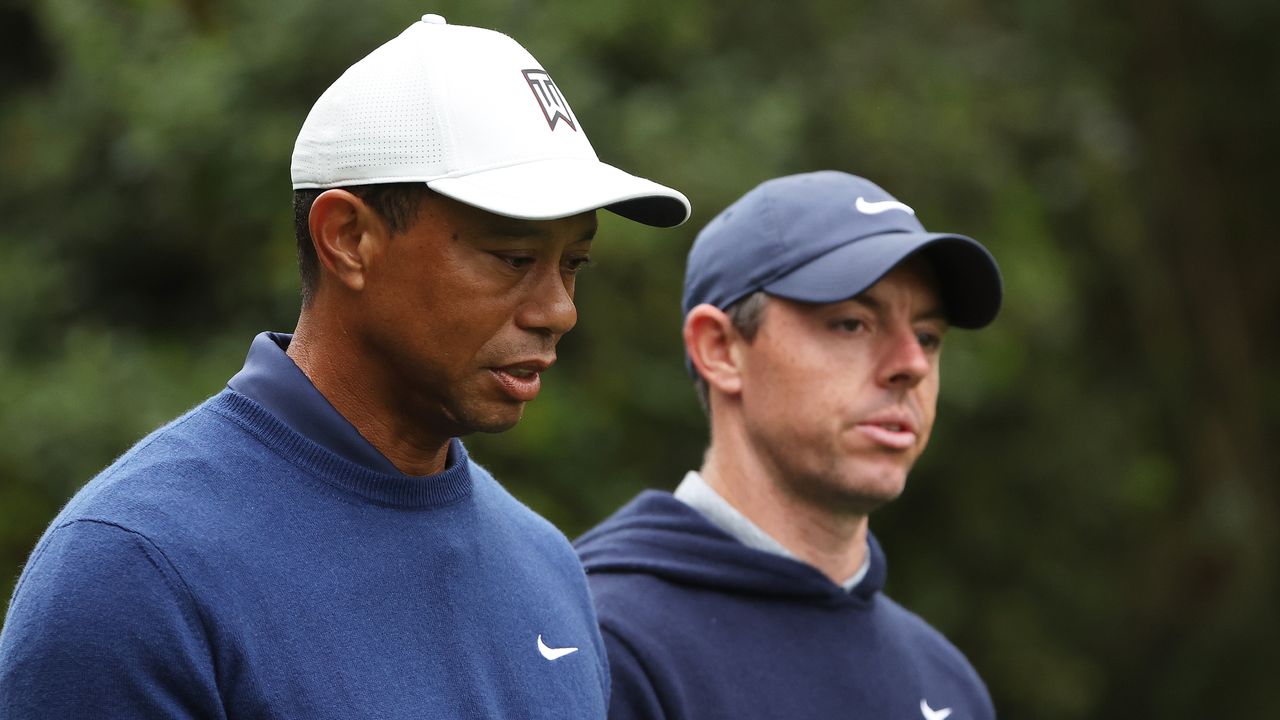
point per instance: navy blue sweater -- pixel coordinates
(227, 567)
(698, 625)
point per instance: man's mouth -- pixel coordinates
(522, 380)
(891, 431)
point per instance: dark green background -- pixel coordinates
(1095, 524)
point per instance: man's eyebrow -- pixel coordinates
(934, 312)
(517, 230)
(521, 231)
(867, 301)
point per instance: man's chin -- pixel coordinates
(862, 495)
(497, 422)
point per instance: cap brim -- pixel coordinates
(968, 276)
(550, 189)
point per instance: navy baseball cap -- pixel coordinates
(827, 236)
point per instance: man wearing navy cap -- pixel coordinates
(313, 541)
(815, 310)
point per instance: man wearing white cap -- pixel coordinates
(313, 541)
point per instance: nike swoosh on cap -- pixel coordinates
(931, 714)
(866, 207)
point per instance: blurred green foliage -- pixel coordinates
(1096, 521)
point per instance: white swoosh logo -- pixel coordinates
(867, 207)
(931, 714)
(551, 653)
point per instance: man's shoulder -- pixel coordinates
(107, 559)
(923, 639)
(511, 519)
(162, 473)
(635, 595)
(657, 561)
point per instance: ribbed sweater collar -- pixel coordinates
(404, 491)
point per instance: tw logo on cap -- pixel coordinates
(554, 107)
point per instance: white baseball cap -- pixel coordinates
(472, 114)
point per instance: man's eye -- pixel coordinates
(518, 262)
(573, 265)
(929, 341)
(848, 325)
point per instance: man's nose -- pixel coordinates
(549, 306)
(904, 361)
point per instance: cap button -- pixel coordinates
(434, 19)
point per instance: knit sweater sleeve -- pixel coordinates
(632, 694)
(101, 625)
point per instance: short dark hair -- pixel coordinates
(746, 316)
(396, 203)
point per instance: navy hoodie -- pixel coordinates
(698, 625)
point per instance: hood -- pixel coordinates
(656, 534)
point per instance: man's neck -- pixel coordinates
(835, 543)
(337, 370)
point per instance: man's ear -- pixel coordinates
(344, 231)
(710, 339)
